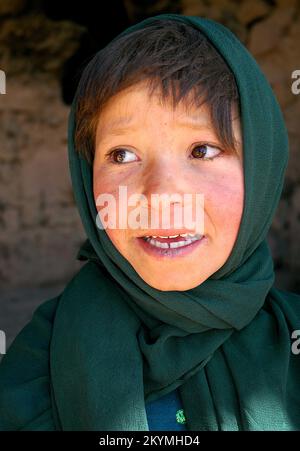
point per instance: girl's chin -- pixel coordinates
(169, 282)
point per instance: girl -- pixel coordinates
(167, 328)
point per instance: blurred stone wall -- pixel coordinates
(39, 225)
(40, 228)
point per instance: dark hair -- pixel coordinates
(170, 55)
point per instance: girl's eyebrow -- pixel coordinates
(118, 126)
(120, 121)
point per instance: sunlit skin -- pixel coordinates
(158, 159)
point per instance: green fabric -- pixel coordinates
(114, 342)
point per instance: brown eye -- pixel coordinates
(201, 150)
(119, 156)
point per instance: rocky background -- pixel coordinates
(43, 47)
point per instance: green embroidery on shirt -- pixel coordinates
(180, 418)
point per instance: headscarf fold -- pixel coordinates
(225, 344)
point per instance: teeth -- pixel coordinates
(180, 243)
(158, 244)
(190, 236)
(174, 245)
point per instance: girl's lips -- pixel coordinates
(162, 253)
(170, 240)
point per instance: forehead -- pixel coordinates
(132, 105)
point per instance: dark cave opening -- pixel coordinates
(96, 20)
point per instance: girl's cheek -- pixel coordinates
(108, 181)
(226, 209)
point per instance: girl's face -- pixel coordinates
(155, 150)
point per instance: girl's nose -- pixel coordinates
(165, 176)
(166, 187)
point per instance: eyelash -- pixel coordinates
(109, 155)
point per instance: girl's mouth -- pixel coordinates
(171, 246)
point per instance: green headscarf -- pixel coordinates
(117, 342)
